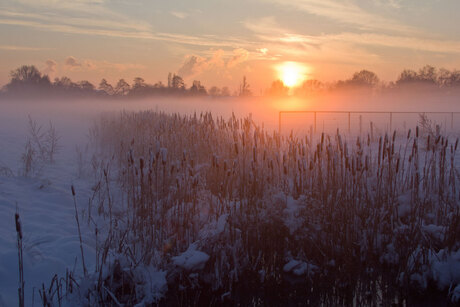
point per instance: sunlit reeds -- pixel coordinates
(370, 213)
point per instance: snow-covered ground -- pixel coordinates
(44, 200)
(46, 207)
(44, 203)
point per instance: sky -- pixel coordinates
(220, 41)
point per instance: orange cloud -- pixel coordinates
(195, 64)
(50, 67)
(240, 55)
(74, 64)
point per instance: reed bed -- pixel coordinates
(318, 219)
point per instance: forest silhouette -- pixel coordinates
(28, 81)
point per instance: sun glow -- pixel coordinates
(292, 73)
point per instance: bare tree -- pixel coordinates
(85, 86)
(365, 78)
(177, 82)
(245, 88)
(122, 88)
(214, 91)
(28, 77)
(278, 89)
(309, 87)
(106, 87)
(197, 88)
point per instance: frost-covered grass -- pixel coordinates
(227, 212)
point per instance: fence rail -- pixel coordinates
(390, 114)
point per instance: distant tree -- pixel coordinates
(245, 88)
(106, 87)
(86, 86)
(214, 91)
(169, 80)
(177, 82)
(364, 78)
(225, 91)
(139, 87)
(197, 88)
(278, 89)
(139, 82)
(407, 76)
(64, 83)
(28, 78)
(122, 88)
(448, 78)
(309, 87)
(159, 84)
(428, 74)
(25, 73)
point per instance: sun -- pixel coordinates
(291, 73)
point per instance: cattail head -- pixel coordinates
(73, 190)
(18, 225)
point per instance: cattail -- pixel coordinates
(18, 225)
(164, 155)
(20, 260)
(141, 163)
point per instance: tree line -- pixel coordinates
(28, 80)
(428, 77)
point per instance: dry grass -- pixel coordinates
(364, 211)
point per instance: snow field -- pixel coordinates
(184, 202)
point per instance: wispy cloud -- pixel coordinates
(267, 30)
(240, 55)
(395, 4)
(21, 48)
(218, 59)
(180, 15)
(73, 64)
(110, 28)
(347, 12)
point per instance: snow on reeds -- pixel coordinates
(246, 215)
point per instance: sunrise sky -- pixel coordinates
(219, 41)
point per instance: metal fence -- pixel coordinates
(389, 115)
